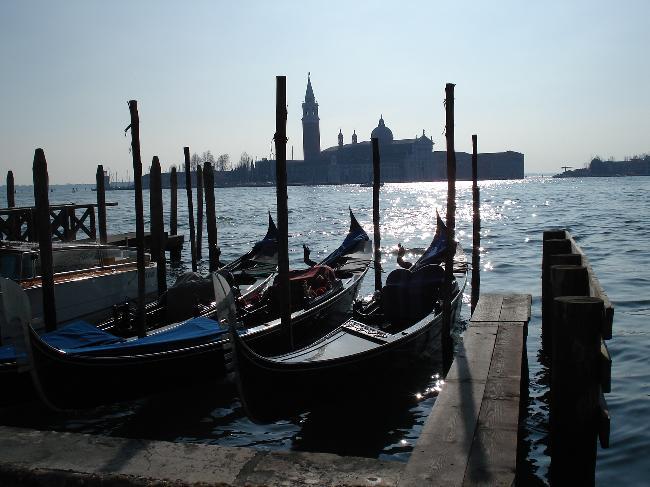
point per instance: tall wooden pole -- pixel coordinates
(199, 211)
(447, 345)
(42, 201)
(476, 228)
(210, 216)
(173, 202)
(174, 254)
(139, 212)
(101, 203)
(14, 230)
(282, 204)
(376, 182)
(157, 224)
(190, 206)
(11, 191)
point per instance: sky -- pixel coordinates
(561, 81)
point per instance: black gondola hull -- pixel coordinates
(71, 381)
(272, 389)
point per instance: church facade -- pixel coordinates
(402, 160)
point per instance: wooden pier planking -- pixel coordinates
(471, 435)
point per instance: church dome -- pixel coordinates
(382, 133)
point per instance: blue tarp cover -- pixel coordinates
(7, 353)
(269, 244)
(79, 334)
(192, 332)
(81, 338)
(354, 236)
(435, 253)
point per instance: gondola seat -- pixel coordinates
(409, 296)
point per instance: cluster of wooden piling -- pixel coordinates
(44, 222)
(576, 319)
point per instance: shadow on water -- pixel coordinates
(372, 422)
(375, 423)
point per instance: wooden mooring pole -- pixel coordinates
(210, 216)
(139, 213)
(11, 191)
(376, 183)
(14, 220)
(282, 204)
(199, 211)
(575, 389)
(190, 206)
(157, 224)
(101, 203)
(173, 212)
(42, 201)
(445, 336)
(554, 243)
(476, 228)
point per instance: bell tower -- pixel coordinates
(310, 124)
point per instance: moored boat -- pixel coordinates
(398, 327)
(102, 274)
(82, 366)
(192, 294)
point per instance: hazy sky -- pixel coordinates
(560, 81)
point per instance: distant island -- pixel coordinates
(633, 166)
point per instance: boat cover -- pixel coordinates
(355, 235)
(269, 244)
(435, 253)
(191, 332)
(7, 354)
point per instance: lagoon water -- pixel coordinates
(608, 217)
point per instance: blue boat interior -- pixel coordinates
(82, 338)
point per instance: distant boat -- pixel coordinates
(370, 185)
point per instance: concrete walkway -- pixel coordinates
(46, 458)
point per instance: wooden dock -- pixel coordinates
(472, 434)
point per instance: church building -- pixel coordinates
(402, 160)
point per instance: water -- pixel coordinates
(608, 217)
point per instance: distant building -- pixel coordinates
(402, 160)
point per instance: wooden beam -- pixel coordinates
(190, 206)
(139, 212)
(101, 203)
(376, 184)
(282, 204)
(41, 198)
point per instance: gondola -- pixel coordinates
(82, 366)
(399, 326)
(192, 294)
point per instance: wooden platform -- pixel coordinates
(471, 436)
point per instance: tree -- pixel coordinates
(223, 162)
(245, 162)
(195, 160)
(207, 157)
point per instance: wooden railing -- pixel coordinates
(18, 223)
